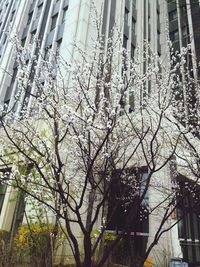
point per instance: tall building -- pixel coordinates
(184, 26)
(57, 24)
(183, 31)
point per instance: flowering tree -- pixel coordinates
(88, 153)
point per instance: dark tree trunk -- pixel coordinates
(88, 251)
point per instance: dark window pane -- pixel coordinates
(173, 15)
(30, 17)
(53, 22)
(125, 41)
(64, 14)
(126, 15)
(174, 36)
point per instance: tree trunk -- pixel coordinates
(88, 251)
(87, 238)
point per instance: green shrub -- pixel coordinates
(32, 244)
(4, 248)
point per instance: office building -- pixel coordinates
(184, 31)
(57, 24)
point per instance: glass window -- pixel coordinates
(59, 42)
(133, 25)
(189, 213)
(132, 51)
(197, 248)
(23, 41)
(10, 88)
(185, 31)
(39, 11)
(195, 226)
(5, 38)
(53, 22)
(183, 10)
(2, 194)
(30, 17)
(20, 207)
(173, 15)
(125, 201)
(126, 15)
(125, 210)
(64, 14)
(174, 36)
(125, 41)
(3, 177)
(32, 38)
(12, 16)
(47, 52)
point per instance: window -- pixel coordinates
(158, 43)
(10, 88)
(59, 42)
(174, 36)
(47, 52)
(188, 202)
(132, 51)
(185, 31)
(39, 11)
(126, 15)
(32, 38)
(4, 39)
(2, 194)
(126, 212)
(53, 22)
(64, 14)
(30, 15)
(173, 15)
(183, 10)
(133, 25)
(125, 41)
(23, 42)
(12, 16)
(131, 102)
(124, 200)
(20, 207)
(4, 175)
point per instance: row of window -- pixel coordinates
(174, 35)
(173, 15)
(11, 17)
(189, 225)
(1, 10)
(133, 27)
(53, 18)
(53, 22)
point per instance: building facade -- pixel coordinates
(184, 31)
(57, 25)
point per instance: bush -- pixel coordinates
(32, 244)
(4, 248)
